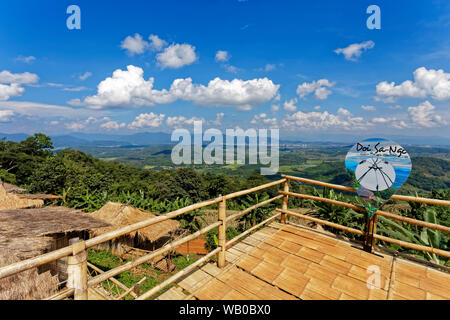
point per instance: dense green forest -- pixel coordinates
(86, 182)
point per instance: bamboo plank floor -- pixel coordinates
(287, 262)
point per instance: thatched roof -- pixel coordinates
(26, 285)
(120, 215)
(10, 200)
(24, 230)
(12, 188)
(38, 196)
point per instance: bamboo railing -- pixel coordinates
(79, 283)
(370, 233)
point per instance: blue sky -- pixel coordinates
(276, 64)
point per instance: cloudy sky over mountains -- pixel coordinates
(300, 66)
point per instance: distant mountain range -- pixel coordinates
(76, 139)
(100, 140)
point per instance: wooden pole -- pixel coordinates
(284, 205)
(222, 233)
(371, 230)
(77, 270)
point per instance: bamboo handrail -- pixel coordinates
(344, 188)
(379, 237)
(320, 221)
(247, 191)
(177, 275)
(229, 242)
(260, 204)
(134, 263)
(413, 246)
(379, 212)
(67, 292)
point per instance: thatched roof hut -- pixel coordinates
(26, 285)
(30, 232)
(120, 215)
(25, 233)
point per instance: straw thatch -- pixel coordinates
(25, 230)
(12, 188)
(120, 215)
(41, 196)
(26, 285)
(15, 201)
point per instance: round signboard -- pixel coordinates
(378, 168)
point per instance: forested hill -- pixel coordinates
(87, 182)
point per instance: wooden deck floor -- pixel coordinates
(290, 263)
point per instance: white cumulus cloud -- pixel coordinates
(318, 87)
(434, 83)
(112, 125)
(128, 88)
(156, 43)
(8, 91)
(424, 115)
(147, 120)
(290, 105)
(5, 115)
(18, 78)
(263, 120)
(354, 51)
(134, 45)
(176, 56)
(11, 83)
(180, 121)
(222, 56)
(323, 120)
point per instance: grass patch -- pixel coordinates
(105, 260)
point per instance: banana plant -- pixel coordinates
(257, 215)
(427, 237)
(334, 213)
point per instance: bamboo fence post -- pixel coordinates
(370, 240)
(284, 205)
(77, 270)
(222, 233)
